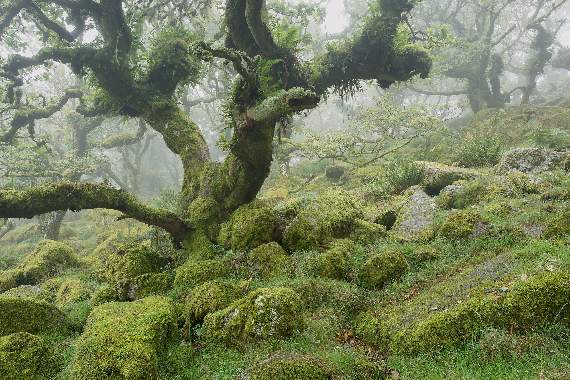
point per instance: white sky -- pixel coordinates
(336, 20)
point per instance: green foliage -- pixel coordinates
(124, 340)
(26, 356)
(382, 268)
(263, 314)
(30, 315)
(248, 227)
(478, 150)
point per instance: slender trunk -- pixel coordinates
(53, 227)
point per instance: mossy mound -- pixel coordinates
(68, 290)
(208, 298)
(333, 263)
(288, 367)
(366, 232)
(330, 216)
(26, 356)
(262, 314)
(438, 176)
(29, 291)
(527, 305)
(268, 260)
(29, 315)
(123, 340)
(150, 284)
(106, 293)
(49, 259)
(558, 226)
(382, 268)
(250, 226)
(197, 272)
(460, 224)
(116, 262)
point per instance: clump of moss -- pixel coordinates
(208, 298)
(68, 290)
(29, 315)
(268, 260)
(123, 340)
(558, 226)
(366, 232)
(264, 313)
(117, 262)
(288, 366)
(104, 294)
(150, 284)
(29, 291)
(26, 356)
(333, 263)
(527, 305)
(382, 268)
(461, 195)
(49, 259)
(330, 216)
(249, 226)
(197, 272)
(459, 224)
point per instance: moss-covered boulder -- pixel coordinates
(461, 224)
(29, 291)
(264, 313)
(197, 272)
(69, 289)
(122, 261)
(107, 293)
(210, 297)
(49, 259)
(250, 226)
(123, 340)
(532, 160)
(268, 260)
(150, 284)
(416, 217)
(366, 232)
(438, 176)
(333, 263)
(330, 216)
(382, 268)
(289, 367)
(30, 315)
(524, 306)
(26, 356)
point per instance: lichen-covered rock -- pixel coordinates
(382, 268)
(416, 218)
(29, 315)
(268, 260)
(26, 356)
(197, 272)
(262, 314)
(49, 259)
(461, 224)
(115, 261)
(122, 340)
(289, 367)
(250, 226)
(208, 298)
(532, 160)
(330, 216)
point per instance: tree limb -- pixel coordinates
(84, 196)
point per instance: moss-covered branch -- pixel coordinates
(259, 30)
(282, 104)
(82, 196)
(124, 139)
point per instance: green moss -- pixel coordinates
(287, 367)
(197, 272)
(382, 268)
(459, 224)
(249, 226)
(330, 216)
(527, 305)
(26, 356)
(104, 294)
(124, 340)
(334, 262)
(558, 226)
(49, 259)
(366, 232)
(68, 290)
(269, 260)
(208, 298)
(29, 291)
(150, 284)
(29, 315)
(262, 314)
(116, 261)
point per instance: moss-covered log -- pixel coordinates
(82, 196)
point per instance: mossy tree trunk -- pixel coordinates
(211, 190)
